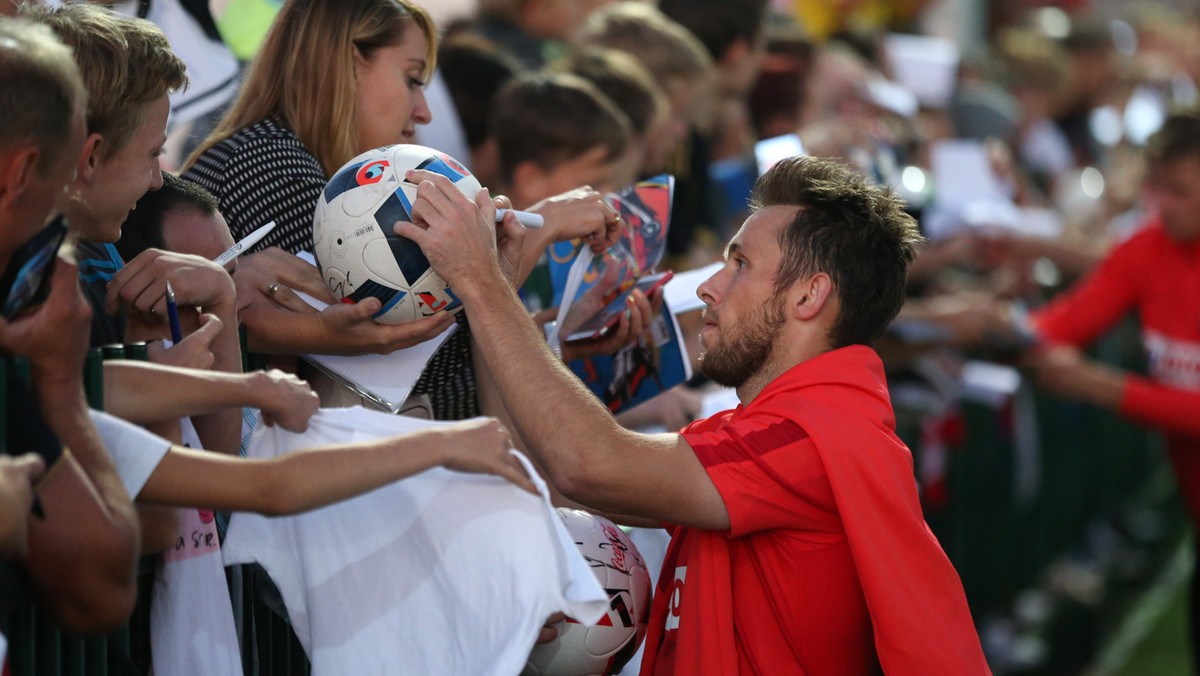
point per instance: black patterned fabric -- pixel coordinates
(260, 174)
(449, 378)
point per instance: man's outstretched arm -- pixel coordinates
(587, 454)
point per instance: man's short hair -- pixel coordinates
(40, 89)
(126, 64)
(623, 79)
(143, 229)
(553, 118)
(718, 23)
(856, 232)
(508, 11)
(668, 50)
(1176, 139)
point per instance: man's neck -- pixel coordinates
(774, 368)
(83, 228)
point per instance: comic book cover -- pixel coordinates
(595, 289)
(640, 371)
(595, 282)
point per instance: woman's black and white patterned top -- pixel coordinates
(260, 174)
(264, 173)
(449, 377)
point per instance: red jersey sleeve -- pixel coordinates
(1098, 301)
(769, 475)
(1168, 408)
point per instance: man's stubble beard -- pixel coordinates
(744, 348)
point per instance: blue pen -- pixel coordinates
(173, 315)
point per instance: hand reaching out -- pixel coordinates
(581, 213)
(633, 325)
(595, 299)
(1065, 370)
(516, 260)
(257, 273)
(458, 236)
(280, 321)
(482, 446)
(353, 331)
(141, 286)
(195, 350)
(289, 401)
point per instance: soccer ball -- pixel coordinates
(604, 648)
(358, 254)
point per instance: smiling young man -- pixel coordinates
(129, 71)
(798, 544)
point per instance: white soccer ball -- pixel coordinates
(353, 243)
(604, 648)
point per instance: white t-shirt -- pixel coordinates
(191, 616)
(135, 451)
(441, 573)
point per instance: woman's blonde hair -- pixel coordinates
(304, 71)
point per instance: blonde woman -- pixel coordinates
(332, 80)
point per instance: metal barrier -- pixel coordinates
(36, 646)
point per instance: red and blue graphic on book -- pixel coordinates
(596, 288)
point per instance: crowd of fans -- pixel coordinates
(1057, 148)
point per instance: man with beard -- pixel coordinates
(798, 544)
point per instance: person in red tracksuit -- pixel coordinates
(1155, 274)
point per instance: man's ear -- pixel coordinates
(809, 296)
(19, 167)
(89, 158)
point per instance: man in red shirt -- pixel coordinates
(798, 541)
(1155, 273)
